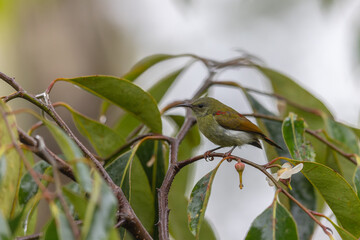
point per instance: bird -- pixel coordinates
(224, 126)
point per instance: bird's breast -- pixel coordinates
(222, 136)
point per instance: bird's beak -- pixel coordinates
(184, 105)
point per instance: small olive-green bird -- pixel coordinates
(224, 126)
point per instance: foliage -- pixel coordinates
(136, 173)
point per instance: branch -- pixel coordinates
(132, 223)
(46, 154)
(279, 97)
(30, 237)
(349, 156)
(262, 168)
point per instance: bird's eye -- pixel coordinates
(201, 105)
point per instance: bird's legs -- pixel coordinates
(227, 154)
(207, 154)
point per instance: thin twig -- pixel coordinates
(30, 237)
(132, 223)
(22, 156)
(44, 154)
(263, 170)
(163, 191)
(349, 156)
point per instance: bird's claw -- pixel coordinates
(207, 156)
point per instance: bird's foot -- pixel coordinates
(207, 156)
(228, 154)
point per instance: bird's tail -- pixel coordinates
(271, 142)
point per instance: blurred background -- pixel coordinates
(316, 42)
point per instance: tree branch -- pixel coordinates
(349, 156)
(132, 223)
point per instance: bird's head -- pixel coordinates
(202, 106)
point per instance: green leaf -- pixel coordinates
(67, 145)
(124, 94)
(191, 140)
(28, 186)
(10, 158)
(50, 231)
(357, 181)
(337, 193)
(5, 233)
(144, 64)
(63, 228)
(2, 166)
(78, 201)
(293, 130)
(104, 140)
(101, 210)
(178, 224)
(126, 124)
(128, 173)
(274, 223)
(345, 139)
(286, 87)
(273, 128)
(142, 198)
(73, 155)
(198, 201)
(163, 85)
(343, 136)
(345, 235)
(118, 171)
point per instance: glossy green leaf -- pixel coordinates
(63, 228)
(29, 217)
(28, 186)
(142, 198)
(293, 130)
(144, 64)
(190, 142)
(67, 145)
(163, 85)
(124, 94)
(73, 155)
(356, 131)
(101, 210)
(274, 223)
(9, 158)
(147, 156)
(118, 171)
(346, 140)
(128, 173)
(272, 128)
(50, 231)
(77, 200)
(125, 125)
(151, 156)
(343, 136)
(104, 140)
(2, 166)
(198, 201)
(5, 233)
(357, 181)
(345, 235)
(286, 87)
(178, 224)
(337, 193)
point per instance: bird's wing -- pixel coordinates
(235, 121)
